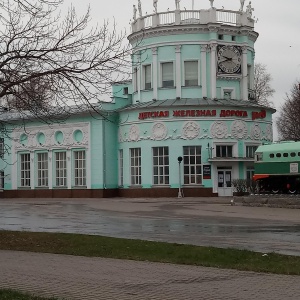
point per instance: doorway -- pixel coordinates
(224, 182)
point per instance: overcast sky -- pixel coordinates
(278, 25)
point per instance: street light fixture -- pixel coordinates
(180, 194)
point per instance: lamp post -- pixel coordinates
(179, 191)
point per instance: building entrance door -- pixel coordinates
(224, 183)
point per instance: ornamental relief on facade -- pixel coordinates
(269, 133)
(190, 130)
(134, 133)
(159, 131)
(219, 130)
(255, 132)
(71, 135)
(239, 129)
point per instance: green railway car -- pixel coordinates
(277, 167)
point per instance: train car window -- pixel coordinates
(298, 153)
(278, 154)
(285, 155)
(293, 154)
(271, 155)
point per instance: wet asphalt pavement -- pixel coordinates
(209, 221)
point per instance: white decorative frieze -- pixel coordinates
(219, 130)
(46, 137)
(255, 132)
(159, 131)
(190, 130)
(239, 129)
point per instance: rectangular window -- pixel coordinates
(249, 173)
(25, 169)
(135, 79)
(191, 73)
(1, 147)
(167, 74)
(79, 168)
(250, 151)
(121, 168)
(160, 165)
(192, 168)
(135, 166)
(42, 169)
(1, 180)
(147, 77)
(224, 151)
(61, 168)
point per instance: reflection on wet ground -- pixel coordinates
(258, 235)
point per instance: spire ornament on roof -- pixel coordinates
(140, 8)
(134, 13)
(242, 5)
(177, 3)
(211, 3)
(155, 6)
(249, 10)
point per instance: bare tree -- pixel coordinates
(288, 122)
(46, 57)
(262, 87)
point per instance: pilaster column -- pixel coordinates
(32, 173)
(203, 70)
(155, 76)
(213, 70)
(178, 71)
(69, 169)
(139, 73)
(245, 74)
(50, 169)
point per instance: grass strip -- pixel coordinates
(99, 246)
(15, 295)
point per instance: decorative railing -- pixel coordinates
(190, 16)
(177, 17)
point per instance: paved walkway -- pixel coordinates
(83, 278)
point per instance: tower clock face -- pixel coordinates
(229, 59)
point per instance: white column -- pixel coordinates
(139, 73)
(213, 70)
(155, 76)
(245, 74)
(50, 169)
(69, 169)
(32, 173)
(203, 70)
(178, 71)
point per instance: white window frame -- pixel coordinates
(224, 145)
(192, 167)
(230, 90)
(61, 169)
(121, 167)
(144, 77)
(246, 152)
(25, 176)
(79, 168)
(249, 170)
(135, 166)
(161, 74)
(42, 169)
(161, 165)
(135, 80)
(198, 72)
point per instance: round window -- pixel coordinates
(78, 136)
(59, 137)
(41, 139)
(24, 139)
